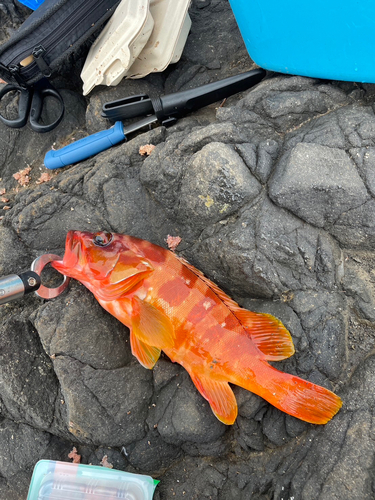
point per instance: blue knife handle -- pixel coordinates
(84, 148)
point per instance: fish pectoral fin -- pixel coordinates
(220, 396)
(125, 275)
(150, 325)
(268, 334)
(129, 267)
(113, 291)
(146, 354)
(117, 289)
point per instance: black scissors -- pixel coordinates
(30, 105)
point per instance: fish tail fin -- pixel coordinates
(310, 402)
(297, 397)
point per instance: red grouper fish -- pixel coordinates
(169, 305)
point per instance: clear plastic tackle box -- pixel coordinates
(53, 480)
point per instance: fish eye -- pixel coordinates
(102, 239)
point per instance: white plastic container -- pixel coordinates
(118, 45)
(171, 28)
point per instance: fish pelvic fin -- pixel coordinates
(146, 354)
(268, 334)
(150, 325)
(220, 396)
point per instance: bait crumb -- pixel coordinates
(6, 207)
(4, 200)
(2, 191)
(105, 462)
(23, 176)
(146, 150)
(45, 177)
(173, 242)
(74, 456)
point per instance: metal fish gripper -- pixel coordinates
(15, 286)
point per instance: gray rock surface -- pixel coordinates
(273, 195)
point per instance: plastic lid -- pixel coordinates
(52, 480)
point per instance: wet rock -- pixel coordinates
(104, 406)
(102, 345)
(216, 185)
(27, 380)
(287, 102)
(188, 417)
(318, 184)
(19, 149)
(208, 481)
(356, 228)
(250, 434)
(259, 159)
(22, 447)
(364, 159)
(18, 260)
(325, 328)
(44, 217)
(152, 453)
(356, 282)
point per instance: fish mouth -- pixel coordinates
(70, 264)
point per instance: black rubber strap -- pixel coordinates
(30, 280)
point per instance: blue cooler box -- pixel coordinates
(321, 38)
(32, 4)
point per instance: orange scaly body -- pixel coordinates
(169, 305)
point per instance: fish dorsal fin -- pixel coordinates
(222, 295)
(146, 354)
(220, 396)
(150, 325)
(268, 334)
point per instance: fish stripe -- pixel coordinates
(174, 292)
(155, 253)
(190, 277)
(198, 313)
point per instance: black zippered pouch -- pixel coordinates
(48, 36)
